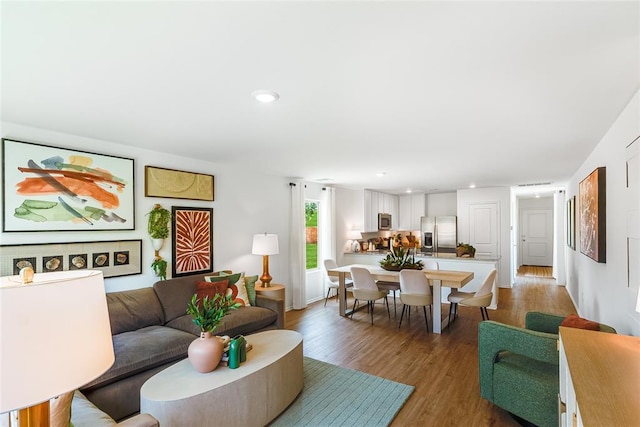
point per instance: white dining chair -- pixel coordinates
(481, 298)
(330, 264)
(415, 291)
(365, 288)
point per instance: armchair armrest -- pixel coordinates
(275, 304)
(494, 337)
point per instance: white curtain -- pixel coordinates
(297, 245)
(328, 224)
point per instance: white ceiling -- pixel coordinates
(436, 94)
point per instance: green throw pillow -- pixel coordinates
(232, 278)
(250, 284)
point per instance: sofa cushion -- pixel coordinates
(244, 320)
(140, 350)
(174, 294)
(133, 309)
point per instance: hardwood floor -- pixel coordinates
(443, 368)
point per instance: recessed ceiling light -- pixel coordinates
(408, 190)
(265, 96)
(472, 186)
(381, 174)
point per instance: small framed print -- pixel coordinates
(114, 258)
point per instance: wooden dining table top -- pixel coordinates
(447, 278)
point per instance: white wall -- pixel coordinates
(502, 196)
(349, 216)
(246, 203)
(600, 291)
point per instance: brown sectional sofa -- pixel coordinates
(152, 331)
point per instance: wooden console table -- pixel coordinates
(599, 379)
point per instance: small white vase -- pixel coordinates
(157, 244)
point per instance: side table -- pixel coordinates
(275, 290)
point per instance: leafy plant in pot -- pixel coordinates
(465, 250)
(158, 230)
(205, 352)
(400, 258)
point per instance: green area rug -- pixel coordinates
(335, 396)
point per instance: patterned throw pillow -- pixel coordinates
(209, 289)
(238, 290)
(250, 284)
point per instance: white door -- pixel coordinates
(537, 237)
(484, 234)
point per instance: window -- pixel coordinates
(311, 228)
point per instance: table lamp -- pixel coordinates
(55, 337)
(265, 245)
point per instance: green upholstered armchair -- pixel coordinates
(519, 367)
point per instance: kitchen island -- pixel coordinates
(480, 266)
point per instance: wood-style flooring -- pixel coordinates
(443, 368)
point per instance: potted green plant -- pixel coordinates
(158, 230)
(465, 250)
(206, 351)
(400, 258)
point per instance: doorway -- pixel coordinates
(534, 231)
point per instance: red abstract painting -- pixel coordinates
(192, 241)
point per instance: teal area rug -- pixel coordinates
(335, 396)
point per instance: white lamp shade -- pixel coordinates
(265, 244)
(55, 336)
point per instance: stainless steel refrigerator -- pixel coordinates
(439, 234)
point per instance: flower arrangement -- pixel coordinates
(207, 313)
(400, 258)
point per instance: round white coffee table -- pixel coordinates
(251, 395)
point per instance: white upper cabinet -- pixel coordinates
(375, 203)
(411, 208)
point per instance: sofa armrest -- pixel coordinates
(543, 322)
(275, 304)
(494, 337)
(140, 420)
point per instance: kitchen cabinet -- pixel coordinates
(410, 209)
(376, 202)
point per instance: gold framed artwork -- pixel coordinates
(114, 258)
(592, 197)
(175, 184)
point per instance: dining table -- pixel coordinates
(437, 279)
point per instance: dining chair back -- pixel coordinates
(481, 298)
(365, 289)
(331, 264)
(415, 291)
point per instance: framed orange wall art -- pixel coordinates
(592, 210)
(192, 245)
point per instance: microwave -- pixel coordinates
(384, 221)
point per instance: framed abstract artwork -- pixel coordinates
(592, 209)
(192, 246)
(49, 188)
(114, 258)
(162, 182)
(571, 222)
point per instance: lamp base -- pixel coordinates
(266, 277)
